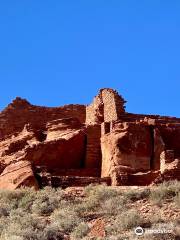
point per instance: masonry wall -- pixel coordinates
(95, 111)
(107, 106)
(113, 105)
(93, 147)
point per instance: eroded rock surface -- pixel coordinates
(40, 145)
(17, 175)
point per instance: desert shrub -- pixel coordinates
(86, 207)
(164, 191)
(113, 229)
(49, 214)
(4, 210)
(100, 192)
(108, 206)
(10, 198)
(7, 237)
(129, 219)
(21, 224)
(18, 198)
(33, 230)
(164, 236)
(47, 200)
(11, 195)
(156, 218)
(3, 223)
(27, 199)
(17, 218)
(172, 186)
(113, 206)
(177, 199)
(66, 219)
(135, 195)
(80, 231)
(117, 237)
(42, 207)
(177, 227)
(51, 232)
(125, 221)
(95, 196)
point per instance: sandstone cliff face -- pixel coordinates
(76, 144)
(21, 112)
(61, 145)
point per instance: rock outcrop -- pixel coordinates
(78, 145)
(127, 149)
(17, 175)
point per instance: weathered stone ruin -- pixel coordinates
(76, 145)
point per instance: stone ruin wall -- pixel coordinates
(107, 106)
(95, 111)
(139, 146)
(93, 147)
(160, 135)
(113, 105)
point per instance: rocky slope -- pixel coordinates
(91, 213)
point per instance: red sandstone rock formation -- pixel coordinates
(127, 149)
(77, 145)
(18, 174)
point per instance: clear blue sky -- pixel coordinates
(59, 52)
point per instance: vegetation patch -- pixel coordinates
(53, 214)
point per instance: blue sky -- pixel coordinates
(59, 52)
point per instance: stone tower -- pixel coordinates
(107, 106)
